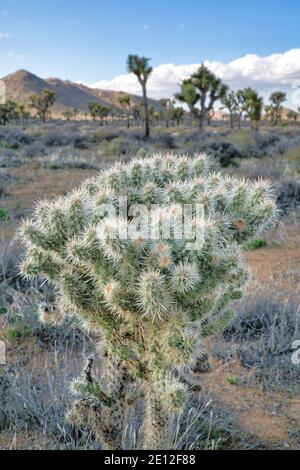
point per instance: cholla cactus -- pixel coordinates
(151, 301)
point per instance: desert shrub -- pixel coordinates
(10, 255)
(120, 146)
(4, 144)
(265, 141)
(66, 158)
(7, 154)
(104, 135)
(256, 244)
(288, 191)
(33, 150)
(292, 155)
(163, 141)
(264, 330)
(196, 137)
(81, 142)
(222, 153)
(14, 138)
(31, 408)
(5, 180)
(57, 139)
(242, 140)
(4, 214)
(150, 300)
(267, 168)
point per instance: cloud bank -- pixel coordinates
(266, 74)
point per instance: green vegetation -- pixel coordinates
(256, 244)
(42, 103)
(98, 111)
(203, 87)
(274, 110)
(4, 214)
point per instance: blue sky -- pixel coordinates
(245, 43)
(90, 40)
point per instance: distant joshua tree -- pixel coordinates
(252, 106)
(68, 115)
(167, 105)
(42, 103)
(292, 115)
(126, 103)
(189, 95)
(8, 112)
(205, 87)
(177, 115)
(71, 114)
(239, 106)
(75, 113)
(23, 114)
(98, 111)
(276, 99)
(229, 102)
(209, 88)
(140, 67)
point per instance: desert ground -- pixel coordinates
(249, 396)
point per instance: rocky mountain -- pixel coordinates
(69, 95)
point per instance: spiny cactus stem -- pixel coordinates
(88, 370)
(150, 301)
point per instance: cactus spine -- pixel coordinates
(150, 301)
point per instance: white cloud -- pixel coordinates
(4, 35)
(266, 74)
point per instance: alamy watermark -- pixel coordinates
(137, 222)
(296, 354)
(295, 96)
(2, 353)
(2, 92)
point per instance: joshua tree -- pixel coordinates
(276, 99)
(136, 113)
(269, 113)
(42, 103)
(8, 112)
(94, 110)
(98, 111)
(153, 115)
(67, 115)
(140, 67)
(150, 298)
(125, 102)
(177, 115)
(75, 113)
(189, 95)
(292, 115)
(167, 105)
(23, 114)
(239, 106)
(230, 102)
(210, 89)
(253, 106)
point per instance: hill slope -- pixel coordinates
(69, 95)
